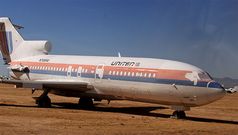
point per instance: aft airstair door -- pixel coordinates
(69, 71)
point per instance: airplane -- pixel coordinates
(95, 78)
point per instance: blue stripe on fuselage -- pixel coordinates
(134, 79)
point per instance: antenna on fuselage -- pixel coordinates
(119, 54)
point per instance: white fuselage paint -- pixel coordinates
(161, 93)
(140, 79)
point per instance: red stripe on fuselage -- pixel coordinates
(159, 73)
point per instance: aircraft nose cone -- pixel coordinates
(218, 90)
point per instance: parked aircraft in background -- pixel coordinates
(91, 78)
(232, 90)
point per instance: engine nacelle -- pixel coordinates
(31, 48)
(39, 46)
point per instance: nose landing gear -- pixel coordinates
(179, 112)
(178, 115)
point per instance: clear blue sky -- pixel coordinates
(200, 32)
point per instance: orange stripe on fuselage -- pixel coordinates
(160, 73)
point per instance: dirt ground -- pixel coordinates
(19, 115)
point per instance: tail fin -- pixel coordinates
(14, 47)
(9, 38)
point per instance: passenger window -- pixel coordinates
(124, 73)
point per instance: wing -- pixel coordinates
(51, 84)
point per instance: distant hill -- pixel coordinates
(227, 82)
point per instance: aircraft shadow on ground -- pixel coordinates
(142, 111)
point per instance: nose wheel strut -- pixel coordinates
(178, 115)
(179, 112)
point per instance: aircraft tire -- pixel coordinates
(178, 115)
(44, 102)
(86, 102)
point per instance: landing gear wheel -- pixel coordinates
(85, 102)
(178, 115)
(44, 102)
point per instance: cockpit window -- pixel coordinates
(209, 76)
(204, 76)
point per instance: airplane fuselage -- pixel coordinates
(166, 82)
(138, 79)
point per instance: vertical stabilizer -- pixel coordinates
(9, 38)
(14, 47)
(4, 44)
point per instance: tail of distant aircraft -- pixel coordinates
(14, 47)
